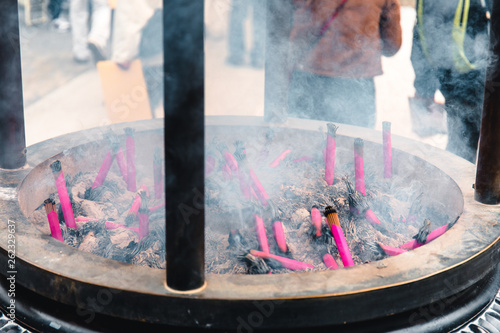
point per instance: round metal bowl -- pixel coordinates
(459, 269)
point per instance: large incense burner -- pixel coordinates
(454, 268)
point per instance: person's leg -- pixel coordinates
(78, 13)
(54, 8)
(100, 29)
(236, 38)
(257, 56)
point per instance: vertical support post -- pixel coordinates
(12, 137)
(277, 77)
(487, 187)
(183, 29)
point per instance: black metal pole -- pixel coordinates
(12, 138)
(487, 187)
(278, 26)
(184, 143)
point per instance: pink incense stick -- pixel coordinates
(62, 191)
(209, 165)
(252, 192)
(371, 217)
(279, 236)
(330, 262)
(261, 234)
(386, 134)
(285, 262)
(131, 175)
(155, 208)
(280, 158)
(84, 219)
(359, 167)
(226, 172)
(413, 244)
(122, 164)
(143, 216)
(391, 251)
(303, 159)
(338, 236)
(231, 161)
(111, 225)
(55, 228)
(259, 189)
(106, 165)
(316, 220)
(158, 173)
(330, 153)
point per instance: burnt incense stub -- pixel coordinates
(56, 166)
(386, 126)
(332, 129)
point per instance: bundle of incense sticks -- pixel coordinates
(55, 228)
(285, 262)
(134, 209)
(106, 164)
(330, 153)
(329, 261)
(62, 191)
(261, 233)
(279, 236)
(432, 236)
(143, 216)
(391, 251)
(280, 158)
(130, 146)
(338, 236)
(386, 140)
(158, 173)
(316, 220)
(359, 165)
(358, 205)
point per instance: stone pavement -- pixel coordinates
(62, 96)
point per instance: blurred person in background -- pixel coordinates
(236, 39)
(138, 34)
(58, 22)
(336, 52)
(91, 42)
(449, 53)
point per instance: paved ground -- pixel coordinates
(56, 88)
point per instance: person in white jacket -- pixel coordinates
(95, 40)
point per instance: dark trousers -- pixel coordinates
(55, 7)
(341, 100)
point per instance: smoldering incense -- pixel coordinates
(316, 220)
(279, 236)
(106, 165)
(62, 191)
(280, 158)
(358, 205)
(158, 173)
(143, 216)
(386, 136)
(134, 209)
(330, 262)
(261, 233)
(55, 228)
(413, 244)
(285, 262)
(391, 251)
(130, 146)
(338, 236)
(359, 168)
(330, 153)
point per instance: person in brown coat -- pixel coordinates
(336, 51)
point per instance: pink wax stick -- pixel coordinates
(330, 153)
(209, 165)
(131, 175)
(103, 171)
(316, 220)
(158, 173)
(279, 236)
(84, 219)
(359, 167)
(122, 164)
(136, 204)
(391, 251)
(155, 208)
(62, 191)
(413, 244)
(261, 234)
(303, 159)
(280, 158)
(259, 189)
(285, 262)
(341, 242)
(371, 217)
(330, 262)
(55, 228)
(386, 134)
